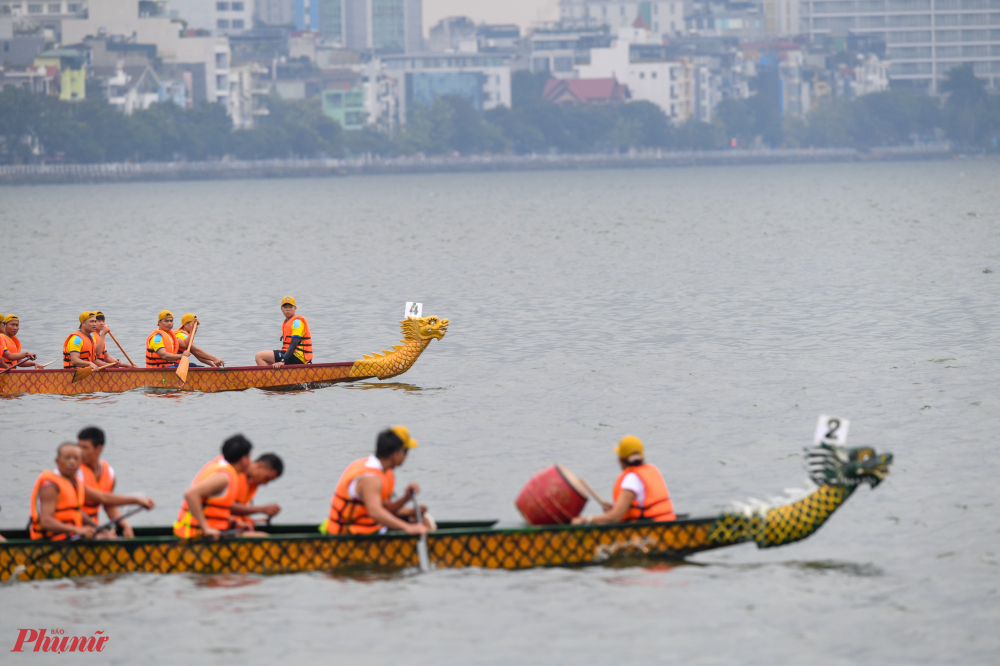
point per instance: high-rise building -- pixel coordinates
(924, 38)
(383, 26)
(663, 17)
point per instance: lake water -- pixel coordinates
(713, 312)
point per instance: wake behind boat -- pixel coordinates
(417, 334)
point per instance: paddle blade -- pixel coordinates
(182, 368)
(81, 373)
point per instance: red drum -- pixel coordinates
(554, 496)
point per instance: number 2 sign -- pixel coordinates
(831, 430)
(414, 310)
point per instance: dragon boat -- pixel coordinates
(417, 334)
(836, 471)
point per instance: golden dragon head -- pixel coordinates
(425, 328)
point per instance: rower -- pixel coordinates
(99, 479)
(296, 341)
(12, 353)
(78, 349)
(3, 346)
(640, 493)
(209, 500)
(183, 335)
(100, 344)
(262, 471)
(362, 503)
(57, 500)
(161, 344)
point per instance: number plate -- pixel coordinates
(831, 430)
(414, 310)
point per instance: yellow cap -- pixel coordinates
(84, 316)
(629, 446)
(9, 318)
(186, 318)
(404, 434)
(98, 313)
(164, 314)
(288, 300)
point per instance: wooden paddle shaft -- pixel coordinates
(182, 367)
(131, 362)
(593, 493)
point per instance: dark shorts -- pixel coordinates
(279, 355)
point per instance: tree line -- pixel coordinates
(36, 127)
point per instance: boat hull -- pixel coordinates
(518, 548)
(209, 380)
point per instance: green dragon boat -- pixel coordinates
(836, 471)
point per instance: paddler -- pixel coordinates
(99, 479)
(640, 493)
(78, 349)
(100, 344)
(3, 346)
(57, 500)
(183, 335)
(262, 471)
(209, 500)
(362, 503)
(296, 340)
(12, 353)
(161, 344)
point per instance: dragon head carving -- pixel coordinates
(425, 328)
(840, 466)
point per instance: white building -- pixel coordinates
(924, 38)
(663, 18)
(206, 59)
(649, 73)
(222, 17)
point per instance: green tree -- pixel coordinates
(966, 105)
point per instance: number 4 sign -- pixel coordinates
(414, 310)
(831, 430)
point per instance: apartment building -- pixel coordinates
(924, 38)
(662, 17)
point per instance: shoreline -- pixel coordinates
(45, 174)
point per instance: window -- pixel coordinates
(238, 24)
(220, 61)
(222, 24)
(642, 75)
(34, 9)
(653, 74)
(72, 7)
(55, 8)
(221, 6)
(562, 64)
(238, 6)
(540, 64)
(621, 10)
(221, 82)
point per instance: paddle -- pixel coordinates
(120, 347)
(593, 493)
(82, 373)
(22, 361)
(182, 367)
(422, 555)
(21, 568)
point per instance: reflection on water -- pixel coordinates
(392, 386)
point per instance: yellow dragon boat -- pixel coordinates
(417, 334)
(837, 472)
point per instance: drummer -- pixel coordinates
(296, 340)
(183, 334)
(11, 350)
(362, 503)
(640, 493)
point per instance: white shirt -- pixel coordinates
(352, 487)
(634, 483)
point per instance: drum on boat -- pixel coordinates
(554, 496)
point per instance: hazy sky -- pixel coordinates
(522, 12)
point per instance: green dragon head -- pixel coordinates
(839, 466)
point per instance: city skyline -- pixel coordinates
(521, 12)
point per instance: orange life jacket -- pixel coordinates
(217, 508)
(305, 343)
(86, 348)
(13, 345)
(69, 506)
(103, 356)
(105, 484)
(247, 490)
(349, 516)
(154, 360)
(657, 505)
